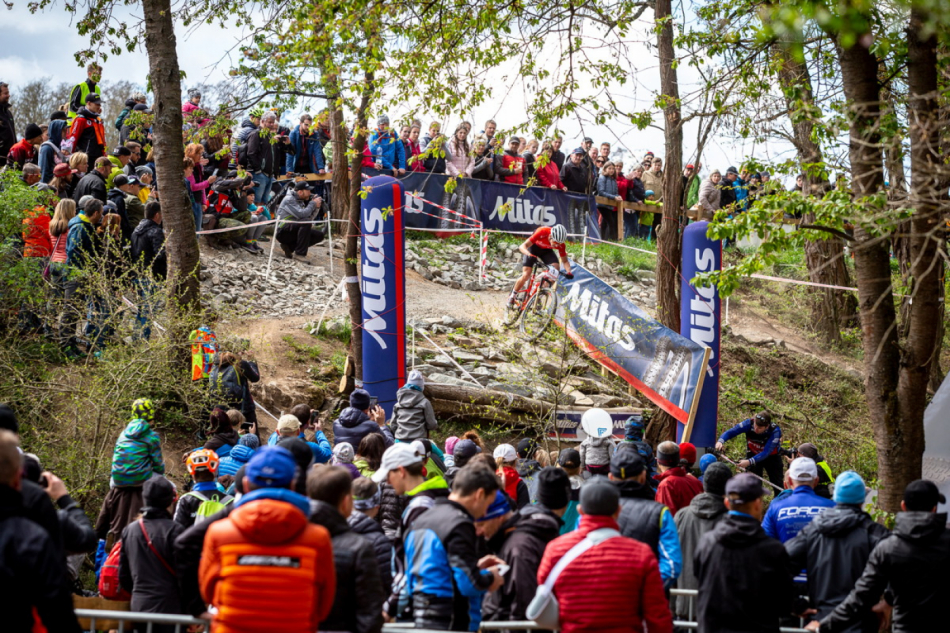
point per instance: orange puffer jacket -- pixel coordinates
(263, 553)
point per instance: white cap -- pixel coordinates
(506, 451)
(397, 456)
(803, 469)
(288, 422)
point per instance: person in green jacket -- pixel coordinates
(691, 187)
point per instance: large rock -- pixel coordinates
(463, 356)
(282, 395)
(445, 379)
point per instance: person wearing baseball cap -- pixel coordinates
(795, 508)
(594, 592)
(825, 476)
(764, 440)
(676, 486)
(745, 578)
(413, 417)
(702, 514)
(641, 517)
(911, 565)
(403, 468)
(840, 538)
(267, 540)
(569, 460)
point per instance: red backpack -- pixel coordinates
(109, 587)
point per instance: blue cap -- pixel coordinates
(272, 467)
(498, 508)
(849, 488)
(706, 460)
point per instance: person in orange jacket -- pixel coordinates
(265, 548)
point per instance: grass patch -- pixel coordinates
(299, 352)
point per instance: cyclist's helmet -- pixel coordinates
(202, 458)
(558, 233)
(257, 112)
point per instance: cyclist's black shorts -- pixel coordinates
(546, 255)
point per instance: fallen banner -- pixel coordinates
(664, 366)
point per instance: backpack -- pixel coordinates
(226, 383)
(209, 505)
(204, 347)
(242, 155)
(220, 203)
(109, 587)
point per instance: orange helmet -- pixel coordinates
(202, 458)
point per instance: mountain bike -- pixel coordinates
(536, 303)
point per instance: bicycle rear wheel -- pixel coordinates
(538, 313)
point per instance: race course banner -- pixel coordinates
(666, 367)
(567, 424)
(497, 205)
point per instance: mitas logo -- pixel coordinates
(702, 319)
(374, 275)
(593, 310)
(521, 211)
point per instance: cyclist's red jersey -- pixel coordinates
(542, 239)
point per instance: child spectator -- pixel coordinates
(413, 416)
(137, 456)
(449, 455)
(255, 233)
(343, 455)
(596, 453)
(204, 499)
(506, 460)
(366, 500)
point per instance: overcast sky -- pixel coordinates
(43, 45)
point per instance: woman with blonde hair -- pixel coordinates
(79, 164)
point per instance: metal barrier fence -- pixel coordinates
(179, 621)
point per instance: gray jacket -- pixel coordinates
(699, 517)
(413, 416)
(293, 208)
(597, 451)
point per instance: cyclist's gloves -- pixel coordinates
(568, 275)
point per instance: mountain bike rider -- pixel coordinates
(541, 245)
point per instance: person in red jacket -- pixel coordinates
(512, 163)
(25, 151)
(594, 593)
(549, 175)
(677, 487)
(265, 549)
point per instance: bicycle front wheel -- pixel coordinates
(513, 310)
(538, 313)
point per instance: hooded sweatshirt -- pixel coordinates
(597, 451)
(138, 454)
(233, 461)
(413, 416)
(50, 152)
(353, 425)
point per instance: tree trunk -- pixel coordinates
(824, 258)
(341, 174)
(354, 229)
(896, 455)
(181, 243)
(920, 347)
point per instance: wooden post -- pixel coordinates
(620, 221)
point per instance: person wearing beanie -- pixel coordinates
(8, 419)
(911, 566)
(25, 150)
(676, 488)
(763, 442)
(367, 498)
(702, 515)
(687, 456)
(798, 505)
(359, 420)
(388, 151)
(744, 576)
(825, 477)
(343, 456)
(633, 436)
(520, 541)
(449, 455)
(268, 541)
(413, 416)
(840, 539)
(594, 593)
(641, 517)
(147, 558)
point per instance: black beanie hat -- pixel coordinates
(158, 492)
(554, 488)
(58, 115)
(32, 131)
(715, 478)
(8, 419)
(600, 498)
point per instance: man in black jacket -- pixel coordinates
(744, 578)
(147, 560)
(575, 174)
(835, 547)
(32, 573)
(519, 540)
(94, 183)
(911, 564)
(148, 242)
(7, 131)
(366, 504)
(358, 603)
(262, 155)
(117, 197)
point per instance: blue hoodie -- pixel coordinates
(231, 463)
(388, 149)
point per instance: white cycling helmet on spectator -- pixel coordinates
(558, 233)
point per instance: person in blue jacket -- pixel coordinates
(308, 153)
(796, 507)
(763, 441)
(386, 147)
(295, 424)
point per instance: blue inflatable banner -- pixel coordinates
(498, 205)
(666, 367)
(700, 319)
(384, 290)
